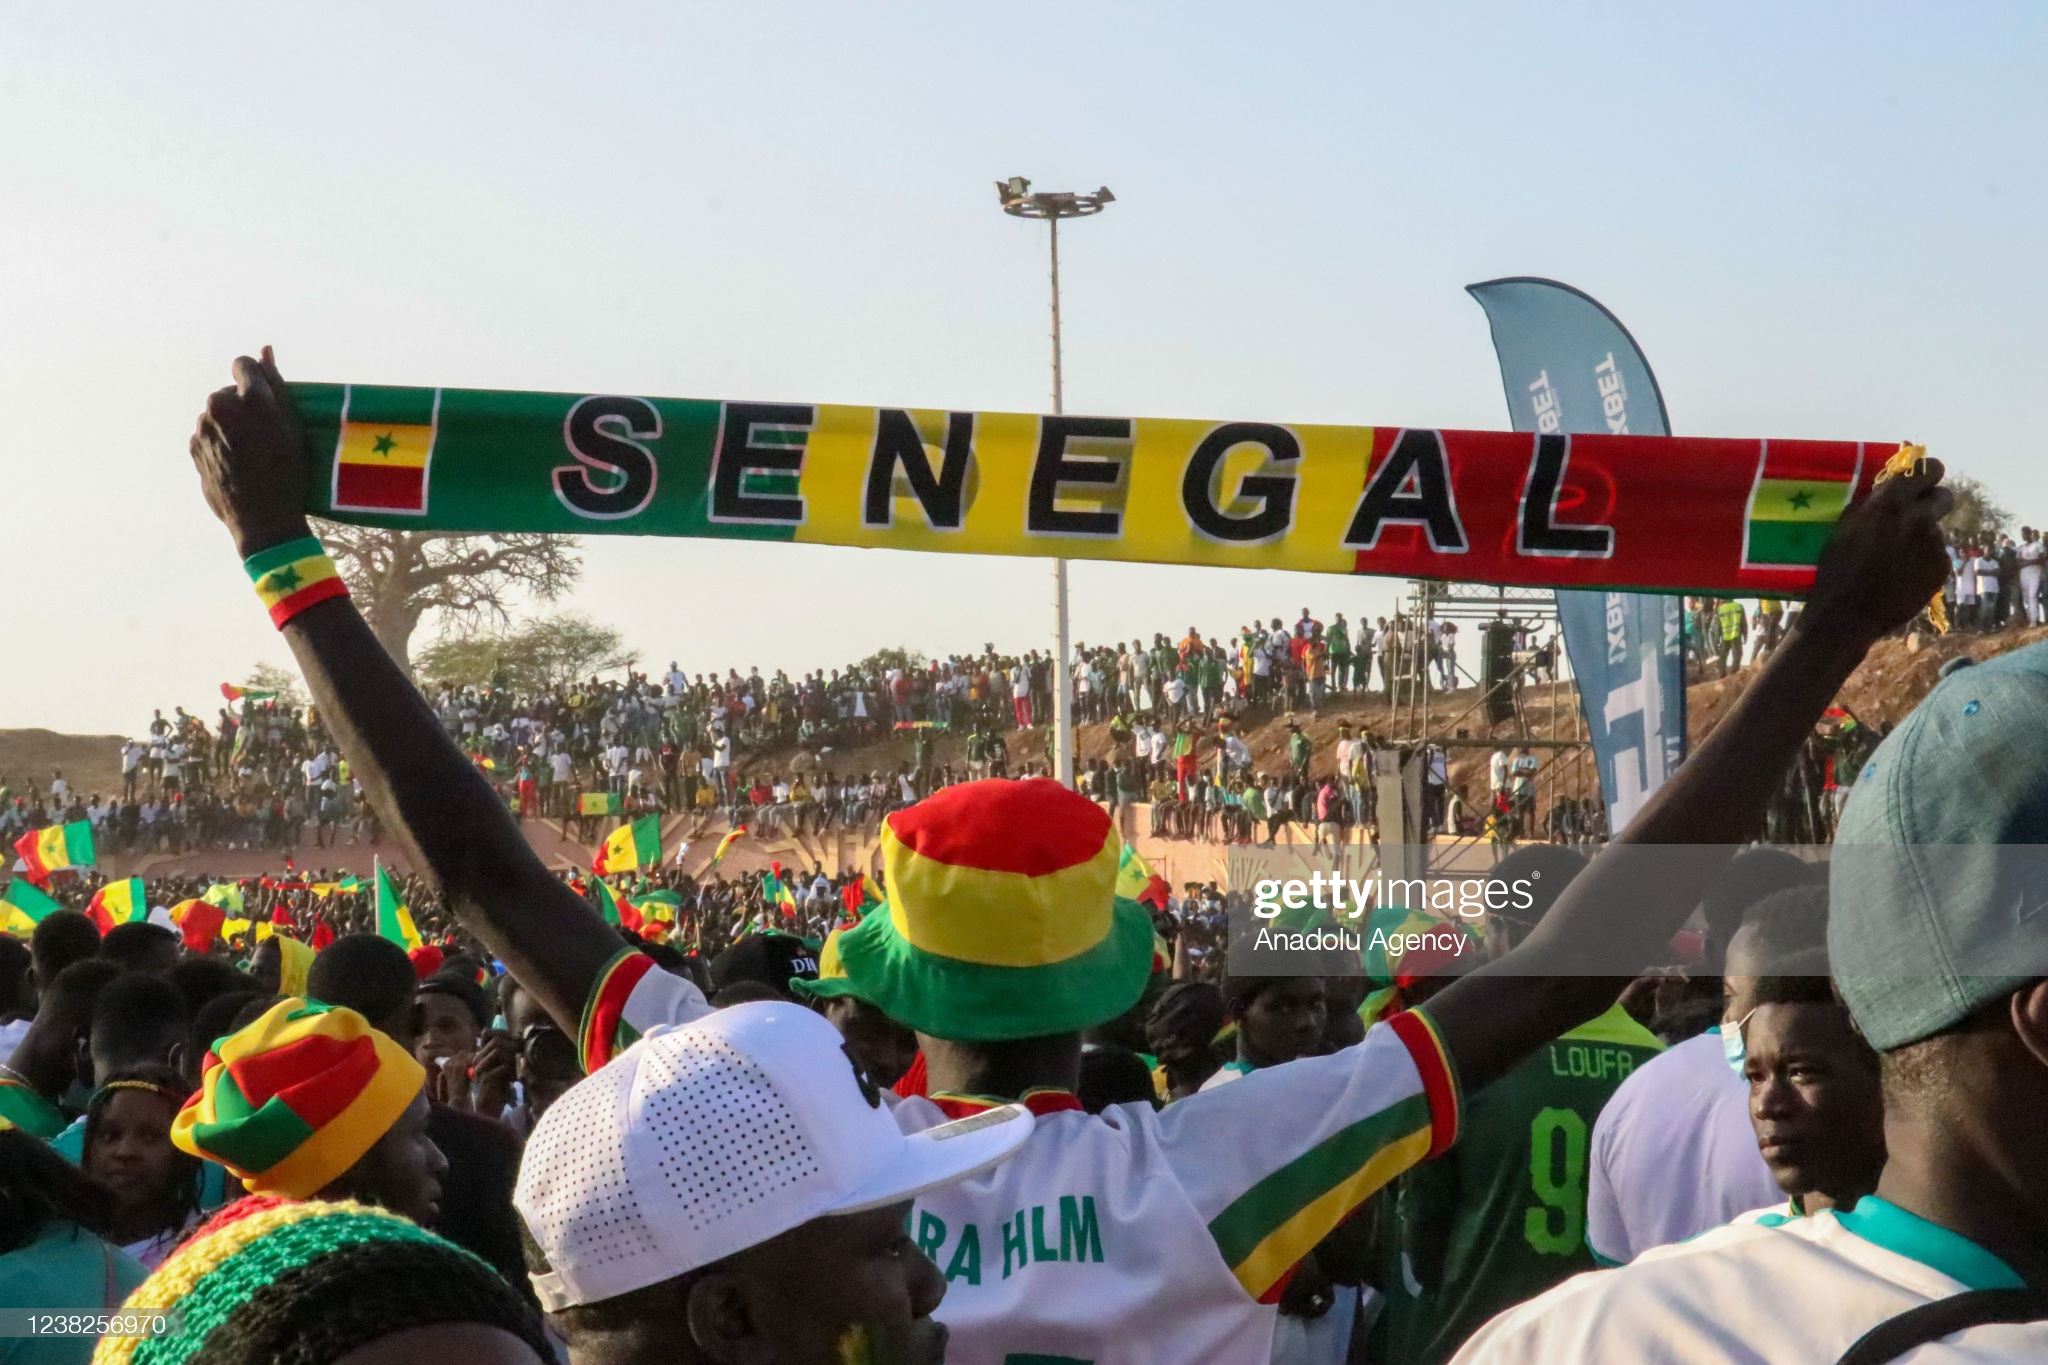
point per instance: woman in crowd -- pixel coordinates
(128, 1151)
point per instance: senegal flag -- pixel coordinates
(1801, 490)
(776, 893)
(615, 908)
(226, 895)
(122, 902)
(1136, 881)
(22, 907)
(199, 923)
(725, 844)
(630, 846)
(234, 693)
(598, 803)
(44, 851)
(658, 910)
(386, 446)
(394, 920)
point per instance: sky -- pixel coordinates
(1819, 220)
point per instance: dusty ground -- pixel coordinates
(91, 763)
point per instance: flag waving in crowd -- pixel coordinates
(199, 923)
(725, 844)
(631, 846)
(23, 905)
(55, 849)
(615, 908)
(119, 902)
(394, 919)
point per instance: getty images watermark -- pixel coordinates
(1952, 910)
(1336, 905)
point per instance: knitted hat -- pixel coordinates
(275, 1280)
(1002, 919)
(293, 1100)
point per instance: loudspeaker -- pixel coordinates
(1496, 669)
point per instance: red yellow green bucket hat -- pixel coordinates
(1002, 918)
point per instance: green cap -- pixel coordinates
(1939, 878)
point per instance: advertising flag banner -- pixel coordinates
(1570, 367)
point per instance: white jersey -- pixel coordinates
(1770, 1288)
(1673, 1153)
(1134, 1236)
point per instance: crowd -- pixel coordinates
(265, 774)
(992, 1116)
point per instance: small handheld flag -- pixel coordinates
(394, 919)
(598, 803)
(199, 923)
(22, 907)
(1136, 881)
(630, 846)
(234, 693)
(44, 851)
(121, 902)
(725, 844)
(615, 908)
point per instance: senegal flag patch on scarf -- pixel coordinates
(385, 447)
(1802, 488)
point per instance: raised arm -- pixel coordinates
(252, 463)
(1882, 565)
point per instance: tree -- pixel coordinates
(1977, 518)
(397, 577)
(268, 677)
(545, 654)
(902, 656)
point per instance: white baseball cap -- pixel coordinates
(701, 1141)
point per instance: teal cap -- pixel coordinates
(1939, 879)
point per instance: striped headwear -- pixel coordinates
(270, 1279)
(297, 1097)
(1003, 918)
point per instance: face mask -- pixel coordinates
(1733, 1048)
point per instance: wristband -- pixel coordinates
(293, 576)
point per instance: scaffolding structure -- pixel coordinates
(1430, 724)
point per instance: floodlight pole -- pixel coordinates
(1019, 202)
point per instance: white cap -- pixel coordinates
(701, 1141)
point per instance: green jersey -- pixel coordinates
(1501, 1217)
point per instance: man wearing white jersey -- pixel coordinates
(1132, 1235)
(1943, 963)
(2032, 553)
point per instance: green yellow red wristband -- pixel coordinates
(293, 576)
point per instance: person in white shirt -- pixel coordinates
(1986, 570)
(1964, 577)
(1950, 986)
(2031, 554)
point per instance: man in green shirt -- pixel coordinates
(1501, 1217)
(1298, 750)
